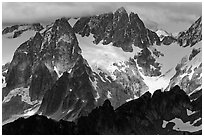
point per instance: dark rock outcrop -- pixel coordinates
(167, 40)
(194, 53)
(39, 125)
(146, 60)
(141, 116)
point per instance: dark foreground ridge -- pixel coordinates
(140, 116)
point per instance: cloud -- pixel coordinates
(173, 17)
(152, 13)
(34, 12)
(165, 12)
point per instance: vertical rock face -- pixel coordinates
(40, 61)
(41, 81)
(71, 95)
(20, 68)
(60, 47)
(56, 48)
(192, 35)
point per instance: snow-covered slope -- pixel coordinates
(103, 56)
(189, 71)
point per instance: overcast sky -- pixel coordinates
(169, 16)
(173, 17)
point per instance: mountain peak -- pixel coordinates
(121, 10)
(107, 103)
(61, 26)
(61, 21)
(121, 29)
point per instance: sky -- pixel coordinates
(162, 14)
(172, 17)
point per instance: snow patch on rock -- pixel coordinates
(23, 92)
(161, 34)
(181, 126)
(153, 83)
(94, 83)
(109, 95)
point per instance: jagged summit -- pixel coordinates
(121, 10)
(43, 58)
(107, 103)
(119, 28)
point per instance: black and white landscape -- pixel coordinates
(106, 72)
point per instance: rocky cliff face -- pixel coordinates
(40, 61)
(56, 48)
